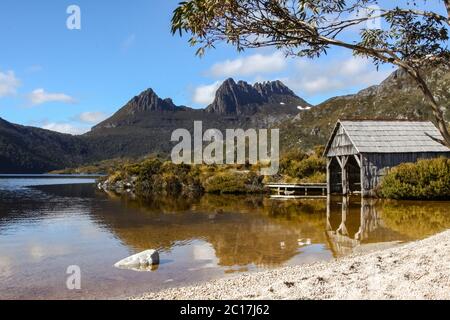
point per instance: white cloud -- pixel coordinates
(325, 77)
(40, 96)
(65, 128)
(251, 65)
(8, 84)
(91, 117)
(318, 85)
(205, 94)
(353, 66)
(38, 252)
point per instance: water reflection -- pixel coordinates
(241, 230)
(255, 230)
(44, 229)
(361, 223)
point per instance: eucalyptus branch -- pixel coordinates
(427, 14)
(447, 6)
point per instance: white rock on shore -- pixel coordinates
(417, 270)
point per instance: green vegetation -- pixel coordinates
(424, 180)
(154, 176)
(231, 181)
(297, 166)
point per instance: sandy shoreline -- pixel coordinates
(417, 270)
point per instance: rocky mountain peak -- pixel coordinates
(232, 97)
(148, 100)
(270, 88)
(242, 98)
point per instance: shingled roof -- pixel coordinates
(371, 136)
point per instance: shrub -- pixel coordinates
(288, 160)
(316, 177)
(309, 167)
(149, 168)
(115, 177)
(424, 180)
(300, 166)
(155, 177)
(233, 182)
(133, 169)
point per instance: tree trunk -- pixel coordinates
(437, 112)
(447, 6)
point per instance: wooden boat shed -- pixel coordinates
(359, 153)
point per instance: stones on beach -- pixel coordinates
(120, 186)
(144, 261)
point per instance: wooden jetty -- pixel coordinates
(298, 190)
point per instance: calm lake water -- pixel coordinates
(48, 224)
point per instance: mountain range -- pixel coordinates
(145, 124)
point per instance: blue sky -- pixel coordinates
(67, 80)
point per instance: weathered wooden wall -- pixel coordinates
(376, 165)
(341, 145)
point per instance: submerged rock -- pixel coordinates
(144, 261)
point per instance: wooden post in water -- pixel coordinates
(344, 176)
(362, 176)
(343, 227)
(328, 227)
(329, 175)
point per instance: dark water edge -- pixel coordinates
(46, 228)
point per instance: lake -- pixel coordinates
(49, 223)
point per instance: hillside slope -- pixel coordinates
(397, 97)
(33, 150)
